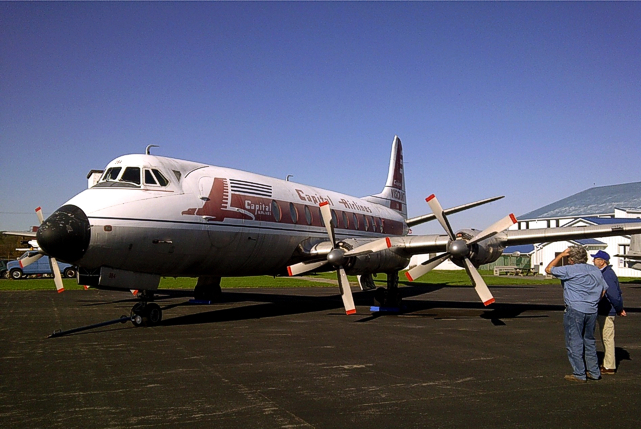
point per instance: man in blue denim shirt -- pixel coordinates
(583, 288)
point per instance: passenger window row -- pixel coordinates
(342, 219)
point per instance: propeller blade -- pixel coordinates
(426, 267)
(494, 229)
(326, 213)
(479, 284)
(30, 260)
(304, 267)
(371, 247)
(437, 209)
(41, 218)
(57, 277)
(346, 291)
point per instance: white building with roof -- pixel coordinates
(595, 206)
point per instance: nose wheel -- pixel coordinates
(146, 314)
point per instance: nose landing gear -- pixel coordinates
(146, 314)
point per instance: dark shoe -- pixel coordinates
(591, 377)
(608, 371)
(573, 377)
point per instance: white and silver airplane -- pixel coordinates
(150, 216)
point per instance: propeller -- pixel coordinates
(338, 257)
(57, 277)
(459, 249)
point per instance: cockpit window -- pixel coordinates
(162, 180)
(114, 177)
(131, 175)
(155, 177)
(111, 174)
(149, 178)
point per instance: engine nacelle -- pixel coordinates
(376, 262)
(483, 252)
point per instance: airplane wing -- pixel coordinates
(423, 244)
(470, 249)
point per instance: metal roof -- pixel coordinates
(594, 201)
(609, 220)
(521, 248)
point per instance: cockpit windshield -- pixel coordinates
(111, 174)
(132, 177)
(133, 172)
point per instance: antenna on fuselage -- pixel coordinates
(288, 176)
(149, 147)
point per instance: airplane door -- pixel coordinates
(205, 185)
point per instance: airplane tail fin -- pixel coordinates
(635, 245)
(393, 195)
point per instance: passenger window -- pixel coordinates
(293, 213)
(345, 222)
(308, 215)
(276, 211)
(131, 175)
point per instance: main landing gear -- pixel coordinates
(146, 313)
(390, 296)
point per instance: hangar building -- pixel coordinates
(595, 206)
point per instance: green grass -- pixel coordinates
(442, 277)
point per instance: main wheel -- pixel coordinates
(154, 314)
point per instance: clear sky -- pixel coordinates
(534, 101)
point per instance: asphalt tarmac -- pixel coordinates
(291, 358)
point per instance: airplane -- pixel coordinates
(150, 216)
(633, 256)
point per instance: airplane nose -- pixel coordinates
(65, 234)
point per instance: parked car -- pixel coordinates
(39, 267)
(4, 274)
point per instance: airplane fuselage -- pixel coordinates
(178, 218)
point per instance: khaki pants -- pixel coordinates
(606, 325)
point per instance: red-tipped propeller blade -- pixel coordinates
(57, 277)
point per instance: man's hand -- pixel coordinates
(556, 260)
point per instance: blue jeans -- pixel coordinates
(580, 342)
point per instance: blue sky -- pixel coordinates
(534, 101)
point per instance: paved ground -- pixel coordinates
(291, 358)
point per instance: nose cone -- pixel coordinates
(458, 248)
(65, 234)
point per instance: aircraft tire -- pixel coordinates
(154, 314)
(138, 314)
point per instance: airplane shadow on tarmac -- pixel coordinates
(262, 305)
(249, 305)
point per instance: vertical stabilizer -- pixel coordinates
(635, 246)
(393, 195)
